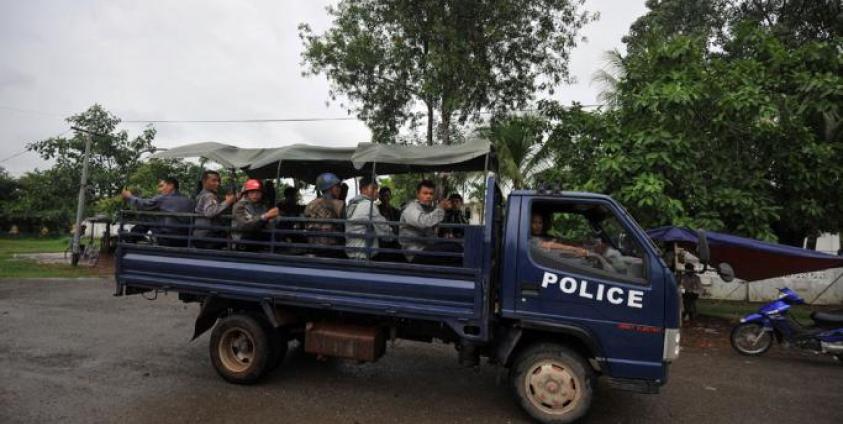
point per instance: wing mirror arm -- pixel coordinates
(703, 253)
(724, 270)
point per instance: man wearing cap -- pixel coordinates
(250, 217)
(362, 208)
(326, 206)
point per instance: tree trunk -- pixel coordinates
(446, 124)
(429, 104)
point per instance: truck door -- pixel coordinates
(580, 264)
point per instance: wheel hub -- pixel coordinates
(236, 350)
(552, 388)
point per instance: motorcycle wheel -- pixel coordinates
(750, 339)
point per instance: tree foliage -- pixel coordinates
(40, 199)
(449, 58)
(114, 155)
(47, 198)
(726, 122)
(521, 151)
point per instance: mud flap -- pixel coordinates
(212, 307)
(507, 345)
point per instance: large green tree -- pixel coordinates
(402, 61)
(48, 197)
(114, 155)
(793, 22)
(740, 133)
(41, 199)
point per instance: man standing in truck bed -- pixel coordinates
(170, 231)
(250, 217)
(419, 220)
(362, 208)
(211, 208)
(326, 207)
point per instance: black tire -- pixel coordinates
(741, 343)
(566, 378)
(241, 350)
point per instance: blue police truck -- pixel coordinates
(557, 287)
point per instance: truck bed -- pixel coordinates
(453, 295)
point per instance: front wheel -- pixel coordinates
(750, 338)
(552, 383)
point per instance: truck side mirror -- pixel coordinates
(703, 253)
(726, 272)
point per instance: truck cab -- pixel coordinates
(618, 299)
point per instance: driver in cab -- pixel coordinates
(596, 252)
(539, 239)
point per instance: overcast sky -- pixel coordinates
(199, 60)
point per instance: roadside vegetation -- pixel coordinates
(733, 311)
(11, 267)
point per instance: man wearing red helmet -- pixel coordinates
(250, 217)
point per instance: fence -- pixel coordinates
(817, 288)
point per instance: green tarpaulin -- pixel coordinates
(400, 158)
(223, 154)
(305, 161)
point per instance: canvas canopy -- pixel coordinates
(751, 259)
(305, 161)
(223, 154)
(400, 158)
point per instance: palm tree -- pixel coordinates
(522, 153)
(609, 77)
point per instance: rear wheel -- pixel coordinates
(241, 350)
(751, 339)
(552, 383)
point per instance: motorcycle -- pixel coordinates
(755, 333)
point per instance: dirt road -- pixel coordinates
(72, 353)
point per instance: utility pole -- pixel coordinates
(80, 206)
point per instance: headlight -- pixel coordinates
(671, 344)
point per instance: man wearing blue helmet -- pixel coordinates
(326, 206)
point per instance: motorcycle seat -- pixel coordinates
(831, 317)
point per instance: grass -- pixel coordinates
(24, 268)
(733, 311)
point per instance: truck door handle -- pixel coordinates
(529, 290)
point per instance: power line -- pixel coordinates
(231, 121)
(270, 120)
(27, 150)
(249, 120)
(13, 156)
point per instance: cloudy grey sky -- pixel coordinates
(201, 60)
